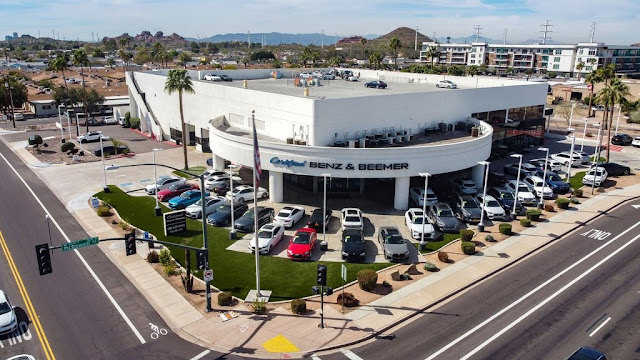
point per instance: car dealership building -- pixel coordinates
(342, 128)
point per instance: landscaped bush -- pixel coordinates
(104, 211)
(124, 226)
(347, 299)
(405, 277)
(134, 123)
(225, 298)
(563, 203)
(67, 146)
(299, 306)
(430, 267)
(443, 256)
(466, 234)
(525, 222)
(578, 192)
(170, 269)
(504, 228)
(367, 279)
(165, 257)
(549, 208)
(153, 257)
(575, 200)
(259, 307)
(533, 214)
(468, 247)
(489, 238)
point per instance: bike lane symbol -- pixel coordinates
(157, 331)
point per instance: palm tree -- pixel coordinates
(579, 67)
(615, 93)
(125, 57)
(591, 79)
(363, 42)
(433, 53)
(60, 64)
(81, 59)
(472, 70)
(375, 59)
(179, 81)
(394, 44)
(110, 62)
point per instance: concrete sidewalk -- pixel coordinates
(280, 332)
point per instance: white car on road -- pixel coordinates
(446, 84)
(352, 219)
(525, 196)
(418, 223)
(269, 236)
(162, 183)
(289, 215)
(194, 211)
(244, 193)
(598, 175)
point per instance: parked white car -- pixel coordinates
(417, 195)
(109, 120)
(212, 77)
(194, 211)
(492, 207)
(446, 84)
(92, 136)
(162, 183)
(213, 181)
(244, 193)
(552, 165)
(636, 141)
(289, 216)
(465, 186)
(269, 236)
(525, 196)
(585, 158)
(417, 223)
(353, 78)
(351, 219)
(538, 187)
(598, 175)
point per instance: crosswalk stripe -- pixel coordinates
(351, 355)
(315, 357)
(201, 355)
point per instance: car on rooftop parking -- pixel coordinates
(376, 84)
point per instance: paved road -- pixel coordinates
(594, 281)
(78, 319)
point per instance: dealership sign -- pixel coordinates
(339, 165)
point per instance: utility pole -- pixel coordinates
(592, 32)
(415, 46)
(477, 28)
(546, 31)
(505, 37)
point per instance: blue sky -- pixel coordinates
(616, 20)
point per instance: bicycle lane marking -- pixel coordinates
(44, 342)
(84, 262)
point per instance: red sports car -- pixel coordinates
(302, 244)
(175, 190)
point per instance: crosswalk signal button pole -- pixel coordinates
(130, 242)
(44, 259)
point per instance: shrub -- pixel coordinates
(489, 238)
(563, 203)
(153, 257)
(386, 284)
(575, 200)
(466, 234)
(600, 189)
(578, 192)
(298, 306)
(468, 247)
(533, 214)
(549, 208)
(504, 228)
(443, 256)
(123, 225)
(430, 267)
(114, 222)
(259, 307)
(165, 257)
(405, 276)
(134, 123)
(225, 298)
(348, 299)
(525, 222)
(170, 269)
(67, 146)
(367, 279)
(104, 211)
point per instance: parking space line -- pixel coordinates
(600, 326)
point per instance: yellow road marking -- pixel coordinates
(279, 344)
(46, 347)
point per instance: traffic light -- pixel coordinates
(130, 243)
(328, 291)
(44, 259)
(321, 275)
(201, 258)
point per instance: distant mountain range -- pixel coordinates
(275, 38)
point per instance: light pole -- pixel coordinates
(13, 117)
(573, 106)
(484, 193)
(424, 207)
(104, 169)
(324, 209)
(573, 144)
(157, 210)
(596, 158)
(62, 126)
(618, 120)
(515, 199)
(544, 175)
(584, 133)
(232, 232)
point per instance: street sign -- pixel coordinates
(208, 275)
(95, 202)
(344, 272)
(79, 244)
(175, 222)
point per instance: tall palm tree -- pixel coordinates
(591, 79)
(579, 67)
(375, 59)
(125, 57)
(363, 42)
(60, 64)
(617, 93)
(81, 59)
(433, 53)
(179, 81)
(394, 45)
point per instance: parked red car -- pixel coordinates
(175, 190)
(302, 244)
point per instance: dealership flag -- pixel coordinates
(256, 153)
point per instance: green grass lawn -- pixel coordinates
(194, 169)
(576, 180)
(232, 271)
(436, 245)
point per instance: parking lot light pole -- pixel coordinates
(515, 199)
(324, 209)
(596, 158)
(104, 169)
(13, 116)
(544, 175)
(62, 126)
(232, 232)
(584, 134)
(484, 193)
(618, 120)
(573, 144)
(157, 210)
(424, 208)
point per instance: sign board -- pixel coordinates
(175, 222)
(59, 125)
(95, 202)
(344, 273)
(79, 244)
(208, 275)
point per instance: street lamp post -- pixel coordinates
(573, 106)
(515, 199)
(596, 158)
(484, 193)
(618, 120)
(573, 144)
(104, 169)
(584, 133)
(324, 209)
(544, 175)
(157, 210)
(62, 126)
(232, 232)
(13, 117)
(424, 208)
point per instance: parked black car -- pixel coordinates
(615, 169)
(315, 221)
(376, 84)
(497, 179)
(225, 78)
(111, 150)
(505, 198)
(353, 245)
(222, 215)
(246, 221)
(222, 188)
(621, 139)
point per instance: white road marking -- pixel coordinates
(545, 301)
(201, 355)
(527, 295)
(600, 327)
(350, 354)
(93, 274)
(315, 357)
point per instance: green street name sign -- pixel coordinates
(79, 244)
